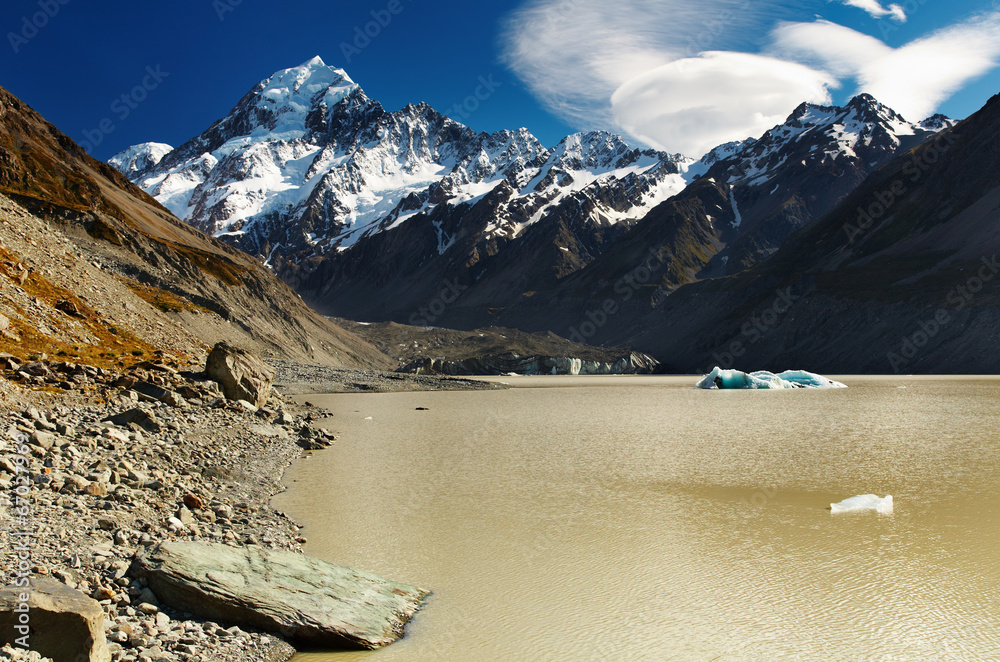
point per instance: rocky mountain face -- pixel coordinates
(96, 271)
(803, 168)
(307, 166)
(738, 205)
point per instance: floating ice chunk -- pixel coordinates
(800, 378)
(863, 502)
(734, 379)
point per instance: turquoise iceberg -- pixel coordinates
(734, 379)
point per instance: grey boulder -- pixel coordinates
(299, 597)
(144, 419)
(241, 375)
(62, 623)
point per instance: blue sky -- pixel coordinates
(561, 65)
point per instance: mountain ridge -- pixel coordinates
(368, 169)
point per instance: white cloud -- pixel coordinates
(913, 79)
(686, 75)
(573, 54)
(876, 10)
(688, 105)
(835, 48)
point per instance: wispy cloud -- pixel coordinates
(685, 76)
(876, 10)
(913, 79)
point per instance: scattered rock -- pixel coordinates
(173, 399)
(107, 489)
(149, 392)
(9, 652)
(96, 489)
(68, 307)
(9, 361)
(42, 439)
(140, 417)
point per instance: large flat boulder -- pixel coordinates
(62, 623)
(299, 597)
(241, 375)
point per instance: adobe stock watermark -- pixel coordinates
(625, 288)
(755, 329)
(487, 86)
(21, 548)
(910, 7)
(123, 106)
(958, 299)
(761, 497)
(32, 24)
(713, 29)
(364, 34)
(223, 7)
(562, 12)
(451, 291)
(912, 173)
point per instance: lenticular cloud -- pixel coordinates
(688, 105)
(685, 76)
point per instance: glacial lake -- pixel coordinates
(638, 518)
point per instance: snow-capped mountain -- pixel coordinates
(801, 169)
(528, 261)
(140, 158)
(306, 163)
(366, 212)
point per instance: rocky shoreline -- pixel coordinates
(122, 461)
(298, 379)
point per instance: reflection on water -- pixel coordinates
(641, 519)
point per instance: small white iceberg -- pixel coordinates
(863, 502)
(734, 379)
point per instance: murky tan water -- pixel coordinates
(641, 519)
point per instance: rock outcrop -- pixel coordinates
(61, 623)
(302, 598)
(241, 375)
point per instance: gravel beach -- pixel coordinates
(188, 466)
